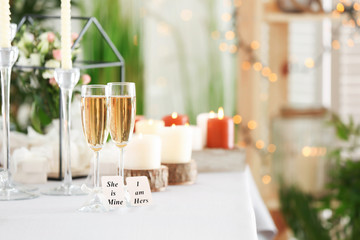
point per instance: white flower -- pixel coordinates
(43, 36)
(23, 61)
(48, 74)
(52, 64)
(43, 47)
(35, 59)
(28, 37)
(57, 43)
(23, 115)
(22, 48)
(76, 52)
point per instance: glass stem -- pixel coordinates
(121, 163)
(66, 95)
(5, 97)
(96, 176)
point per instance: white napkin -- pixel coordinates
(48, 144)
(17, 140)
(26, 150)
(29, 161)
(30, 166)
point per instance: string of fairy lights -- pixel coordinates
(230, 42)
(352, 20)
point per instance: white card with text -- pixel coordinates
(139, 191)
(113, 190)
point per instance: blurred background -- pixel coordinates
(287, 71)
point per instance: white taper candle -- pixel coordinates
(5, 41)
(66, 34)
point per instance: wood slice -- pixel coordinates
(182, 173)
(158, 178)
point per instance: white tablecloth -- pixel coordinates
(218, 206)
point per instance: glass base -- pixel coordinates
(5, 181)
(25, 187)
(64, 190)
(10, 193)
(95, 204)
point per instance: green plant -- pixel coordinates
(302, 212)
(346, 184)
(121, 21)
(19, 8)
(345, 179)
(216, 81)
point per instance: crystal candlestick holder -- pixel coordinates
(66, 79)
(8, 190)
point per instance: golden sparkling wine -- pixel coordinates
(122, 118)
(94, 121)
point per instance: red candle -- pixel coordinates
(175, 119)
(138, 118)
(220, 131)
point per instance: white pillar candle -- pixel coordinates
(66, 34)
(176, 144)
(201, 121)
(149, 126)
(143, 152)
(5, 35)
(196, 136)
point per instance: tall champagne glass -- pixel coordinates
(94, 117)
(122, 109)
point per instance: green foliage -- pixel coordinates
(343, 198)
(121, 21)
(19, 8)
(216, 81)
(345, 184)
(300, 215)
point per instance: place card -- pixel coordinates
(139, 191)
(113, 190)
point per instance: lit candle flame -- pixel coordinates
(211, 114)
(221, 113)
(173, 125)
(187, 124)
(151, 122)
(174, 115)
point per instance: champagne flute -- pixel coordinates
(94, 117)
(122, 109)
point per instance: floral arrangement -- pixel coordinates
(34, 91)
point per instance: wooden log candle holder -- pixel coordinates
(158, 178)
(182, 173)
